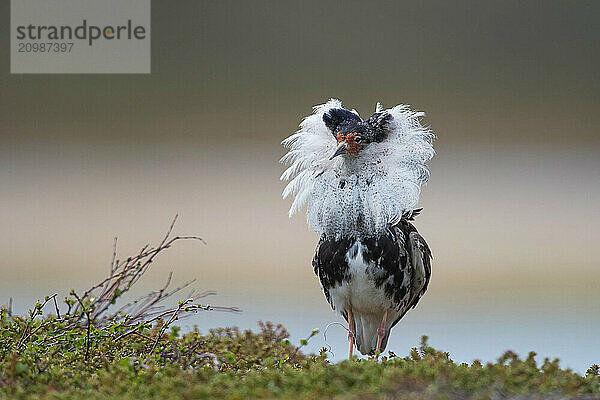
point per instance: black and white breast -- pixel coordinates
(372, 276)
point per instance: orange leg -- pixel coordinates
(381, 331)
(350, 332)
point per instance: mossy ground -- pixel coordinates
(231, 364)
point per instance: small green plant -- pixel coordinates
(231, 364)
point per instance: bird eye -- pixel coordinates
(357, 139)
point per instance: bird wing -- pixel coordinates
(418, 265)
(330, 264)
(421, 262)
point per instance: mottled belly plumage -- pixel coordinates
(370, 275)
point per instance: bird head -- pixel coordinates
(352, 133)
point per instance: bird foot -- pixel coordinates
(350, 333)
(381, 332)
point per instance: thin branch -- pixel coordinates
(114, 257)
(27, 331)
(166, 325)
(94, 304)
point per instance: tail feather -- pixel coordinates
(366, 326)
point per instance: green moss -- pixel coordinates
(232, 364)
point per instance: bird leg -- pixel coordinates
(350, 332)
(381, 331)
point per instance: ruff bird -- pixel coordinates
(360, 181)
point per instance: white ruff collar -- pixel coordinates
(357, 195)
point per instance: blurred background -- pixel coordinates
(511, 211)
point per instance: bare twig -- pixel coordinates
(164, 327)
(114, 257)
(86, 311)
(27, 332)
(94, 304)
(56, 306)
(303, 342)
(124, 274)
(325, 334)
